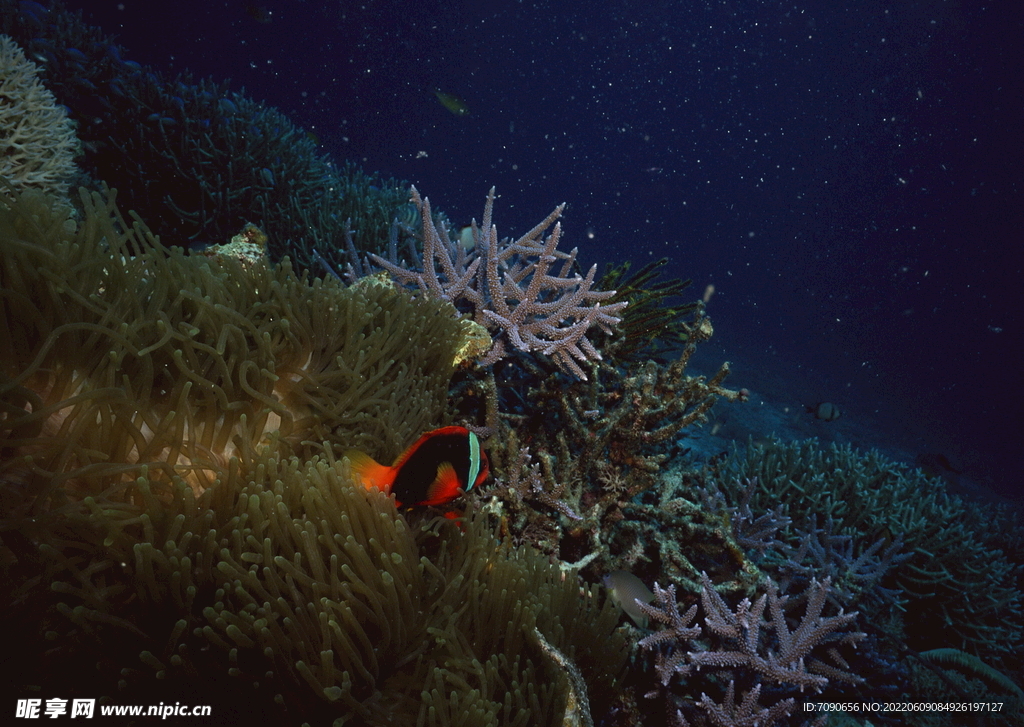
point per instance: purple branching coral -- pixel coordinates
(516, 289)
(672, 660)
(856, 572)
(745, 713)
(753, 532)
(797, 554)
(761, 642)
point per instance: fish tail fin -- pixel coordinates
(369, 472)
(445, 487)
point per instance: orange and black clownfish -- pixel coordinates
(436, 469)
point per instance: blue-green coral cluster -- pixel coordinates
(939, 581)
(960, 581)
(195, 159)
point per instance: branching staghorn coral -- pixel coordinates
(750, 644)
(669, 534)
(528, 481)
(959, 582)
(753, 531)
(512, 288)
(599, 443)
(856, 570)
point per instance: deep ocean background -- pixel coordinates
(848, 175)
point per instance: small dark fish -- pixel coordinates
(437, 468)
(259, 13)
(826, 411)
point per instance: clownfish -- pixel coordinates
(437, 468)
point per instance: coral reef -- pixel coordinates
(195, 159)
(595, 447)
(957, 581)
(510, 287)
(858, 572)
(757, 650)
(37, 140)
(176, 517)
(748, 541)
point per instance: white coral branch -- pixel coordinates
(511, 289)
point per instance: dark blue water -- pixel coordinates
(847, 175)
